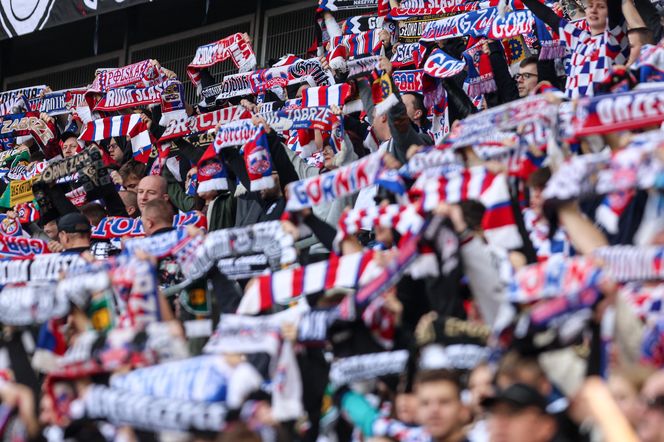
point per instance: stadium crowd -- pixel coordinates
(444, 222)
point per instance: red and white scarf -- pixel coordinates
(120, 126)
(285, 286)
(233, 47)
(474, 183)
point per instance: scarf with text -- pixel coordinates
(32, 303)
(130, 97)
(480, 79)
(415, 8)
(42, 268)
(121, 407)
(203, 122)
(441, 65)
(368, 366)
(233, 47)
(344, 5)
(117, 226)
(266, 239)
(408, 81)
(144, 72)
(619, 111)
(330, 186)
(17, 246)
(263, 80)
(27, 123)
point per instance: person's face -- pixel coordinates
(626, 397)
(69, 147)
(405, 406)
(507, 424)
(114, 151)
(384, 236)
(635, 44)
(131, 183)
(536, 200)
(480, 386)
(651, 423)
(526, 79)
(439, 409)
(273, 192)
(596, 13)
(328, 158)
(51, 230)
(149, 189)
(380, 128)
(413, 113)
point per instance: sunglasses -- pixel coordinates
(525, 76)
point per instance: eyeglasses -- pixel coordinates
(113, 146)
(656, 403)
(525, 76)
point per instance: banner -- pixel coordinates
(330, 186)
(43, 14)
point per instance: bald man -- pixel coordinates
(150, 188)
(157, 217)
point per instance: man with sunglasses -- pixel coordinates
(651, 424)
(527, 78)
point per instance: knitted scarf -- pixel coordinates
(42, 268)
(17, 246)
(27, 123)
(408, 81)
(474, 183)
(473, 23)
(415, 8)
(130, 97)
(343, 5)
(326, 95)
(117, 226)
(120, 126)
(144, 72)
(480, 75)
(631, 263)
(121, 407)
(360, 44)
(367, 366)
(258, 161)
(267, 240)
(30, 304)
(619, 111)
(203, 122)
(285, 286)
(332, 185)
(233, 47)
(441, 65)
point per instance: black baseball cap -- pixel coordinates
(74, 223)
(518, 396)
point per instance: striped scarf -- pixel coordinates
(120, 126)
(360, 44)
(475, 183)
(233, 47)
(631, 263)
(285, 286)
(403, 219)
(27, 213)
(326, 96)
